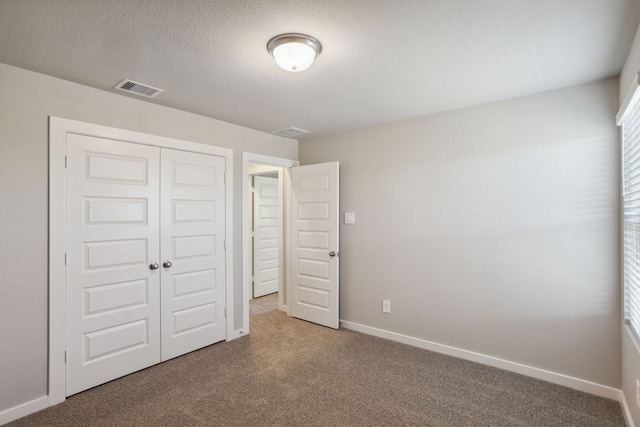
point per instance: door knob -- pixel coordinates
(167, 264)
(153, 266)
(332, 254)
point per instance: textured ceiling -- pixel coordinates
(382, 60)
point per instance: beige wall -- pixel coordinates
(492, 229)
(26, 101)
(630, 345)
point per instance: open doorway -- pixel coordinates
(266, 232)
(274, 245)
(312, 257)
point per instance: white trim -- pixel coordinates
(625, 410)
(630, 99)
(263, 170)
(632, 335)
(541, 374)
(57, 270)
(24, 409)
(58, 129)
(286, 190)
(283, 184)
(229, 242)
(235, 334)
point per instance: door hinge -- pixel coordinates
(225, 312)
(65, 161)
(225, 177)
(65, 357)
(65, 259)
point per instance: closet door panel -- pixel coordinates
(193, 254)
(113, 298)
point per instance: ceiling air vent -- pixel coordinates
(138, 88)
(291, 132)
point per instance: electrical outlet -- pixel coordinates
(349, 217)
(386, 306)
(638, 393)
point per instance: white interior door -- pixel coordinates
(112, 297)
(266, 236)
(315, 240)
(193, 251)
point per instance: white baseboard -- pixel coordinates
(626, 411)
(236, 334)
(24, 409)
(541, 374)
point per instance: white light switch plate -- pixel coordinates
(386, 306)
(349, 217)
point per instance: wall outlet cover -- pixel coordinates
(349, 217)
(386, 306)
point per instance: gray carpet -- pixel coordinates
(292, 373)
(263, 304)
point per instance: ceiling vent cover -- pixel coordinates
(138, 88)
(291, 132)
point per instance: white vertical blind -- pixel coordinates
(631, 210)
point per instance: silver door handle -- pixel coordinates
(332, 254)
(167, 264)
(153, 266)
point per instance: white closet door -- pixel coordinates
(193, 254)
(112, 296)
(266, 240)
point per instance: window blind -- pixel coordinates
(631, 211)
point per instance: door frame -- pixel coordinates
(284, 187)
(58, 130)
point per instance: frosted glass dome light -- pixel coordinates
(294, 52)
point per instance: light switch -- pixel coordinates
(349, 217)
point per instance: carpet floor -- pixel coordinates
(288, 372)
(263, 304)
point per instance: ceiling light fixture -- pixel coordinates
(294, 52)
